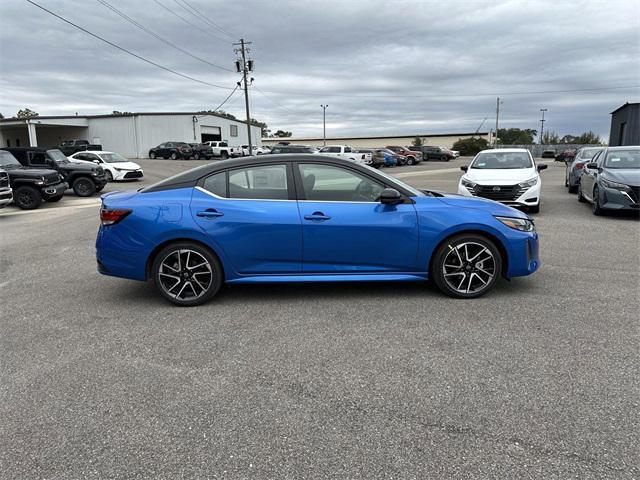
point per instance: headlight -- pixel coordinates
(468, 183)
(521, 224)
(610, 184)
(529, 183)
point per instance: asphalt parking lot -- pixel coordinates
(101, 378)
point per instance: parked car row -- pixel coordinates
(606, 177)
(30, 176)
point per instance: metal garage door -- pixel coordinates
(210, 134)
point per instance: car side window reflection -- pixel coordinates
(334, 184)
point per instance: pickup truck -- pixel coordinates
(413, 157)
(347, 153)
(223, 150)
(69, 147)
(83, 178)
(30, 186)
(6, 193)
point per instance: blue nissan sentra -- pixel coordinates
(307, 218)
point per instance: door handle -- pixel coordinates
(317, 217)
(209, 213)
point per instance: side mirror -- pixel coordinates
(464, 168)
(390, 196)
(542, 167)
(592, 165)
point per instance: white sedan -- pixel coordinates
(507, 175)
(115, 166)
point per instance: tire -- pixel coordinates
(83, 187)
(411, 161)
(55, 199)
(534, 208)
(572, 189)
(581, 199)
(445, 271)
(224, 155)
(174, 156)
(194, 286)
(27, 198)
(109, 175)
(152, 155)
(196, 156)
(595, 206)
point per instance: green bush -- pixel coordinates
(470, 146)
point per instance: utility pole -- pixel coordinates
(542, 124)
(245, 67)
(495, 140)
(324, 125)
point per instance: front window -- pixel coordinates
(113, 158)
(623, 159)
(8, 160)
(267, 182)
(57, 156)
(334, 184)
(502, 160)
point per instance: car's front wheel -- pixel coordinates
(174, 156)
(466, 266)
(595, 206)
(152, 155)
(108, 175)
(27, 198)
(196, 156)
(187, 274)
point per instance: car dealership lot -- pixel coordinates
(102, 378)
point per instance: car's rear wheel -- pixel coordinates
(187, 274)
(152, 155)
(83, 187)
(27, 198)
(410, 161)
(466, 266)
(224, 155)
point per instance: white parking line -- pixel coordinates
(57, 209)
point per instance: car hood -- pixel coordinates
(75, 166)
(476, 203)
(124, 165)
(28, 172)
(628, 176)
(500, 176)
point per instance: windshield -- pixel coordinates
(588, 153)
(623, 159)
(502, 160)
(8, 160)
(57, 156)
(113, 158)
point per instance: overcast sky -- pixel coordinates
(383, 67)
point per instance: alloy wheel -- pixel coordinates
(185, 275)
(469, 267)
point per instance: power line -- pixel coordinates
(206, 19)
(190, 12)
(502, 94)
(128, 51)
(142, 27)
(279, 105)
(191, 23)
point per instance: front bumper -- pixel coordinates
(129, 174)
(52, 191)
(6, 197)
(614, 199)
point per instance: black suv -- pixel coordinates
(84, 179)
(172, 150)
(288, 148)
(31, 186)
(433, 153)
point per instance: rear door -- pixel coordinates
(251, 215)
(345, 229)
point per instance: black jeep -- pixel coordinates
(83, 178)
(30, 185)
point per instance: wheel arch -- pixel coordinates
(152, 255)
(496, 241)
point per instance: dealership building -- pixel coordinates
(445, 140)
(130, 134)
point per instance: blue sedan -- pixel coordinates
(307, 218)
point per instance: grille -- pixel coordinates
(4, 180)
(51, 178)
(499, 192)
(133, 175)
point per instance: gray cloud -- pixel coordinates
(360, 57)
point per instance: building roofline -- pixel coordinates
(627, 104)
(307, 139)
(131, 114)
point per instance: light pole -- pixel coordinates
(542, 124)
(324, 125)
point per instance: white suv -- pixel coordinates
(507, 175)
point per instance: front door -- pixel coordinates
(251, 215)
(347, 230)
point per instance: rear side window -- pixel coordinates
(268, 182)
(217, 184)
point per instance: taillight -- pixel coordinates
(111, 217)
(579, 165)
